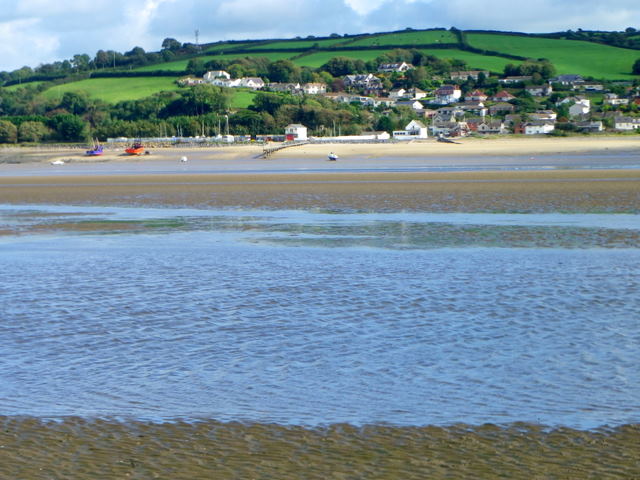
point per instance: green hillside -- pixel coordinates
(490, 51)
(568, 56)
(113, 90)
(407, 38)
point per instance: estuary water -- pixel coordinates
(317, 317)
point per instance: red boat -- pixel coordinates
(135, 149)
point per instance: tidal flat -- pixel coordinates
(346, 325)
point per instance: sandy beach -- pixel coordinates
(471, 147)
(598, 174)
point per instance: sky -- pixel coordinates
(33, 32)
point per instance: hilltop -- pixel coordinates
(163, 93)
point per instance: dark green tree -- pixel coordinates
(636, 67)
(32, 131)
(69, 127)
(8, 132)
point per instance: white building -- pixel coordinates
(213, 74)
(581, 107)
(414, 130)
(538, 128)
(295, 131)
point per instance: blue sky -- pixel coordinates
(33, 32)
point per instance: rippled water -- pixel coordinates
(319, 317)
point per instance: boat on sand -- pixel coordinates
(135, 149)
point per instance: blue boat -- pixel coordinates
(95, 151)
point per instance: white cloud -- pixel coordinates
(43, 31)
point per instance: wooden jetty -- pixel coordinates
(268, 151)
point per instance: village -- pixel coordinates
(460, 107)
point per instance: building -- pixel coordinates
(295, 132)
(213, 74)
(539, 90)
(447, 94)
(536, 127)
(580, 107)
(475, 96)
(394, 67)
(502, 96)
(414, 130)
(364, 81)
(626, 123)
(468, 74)
(314, 88)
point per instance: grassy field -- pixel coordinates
(221, 47)
(18, 86)
(113, 90)
(302, 44)
(407, 38)
(473, 60)
(568, 56)
(318, 59)
(242, 98)
(176, 66)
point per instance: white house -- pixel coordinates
(581, 107)
(614, 100)
(314, 88)
(395, 67)
(465, 75)
(295, 131)
(414, 130)
(225, 82)
(254, 83)
(447, 94)
(475, 96)
(284, 87)
(413, 104)
(539, 90)
(213, 74)
(626, 123)
(190, 81)
(538, 128)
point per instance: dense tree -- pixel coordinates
(283, 71)
(69, 127)
(8, 132)
(636, 67)
(196, 67)
(75, 102)
(171, 44)
(31, 131)
(340, 66)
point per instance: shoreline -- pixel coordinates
(468, 146)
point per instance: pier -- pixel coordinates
(268, 151)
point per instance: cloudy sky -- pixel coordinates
(33, 32)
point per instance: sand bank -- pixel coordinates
(503, 146)
(470, 191)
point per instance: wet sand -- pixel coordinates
(81, 449)
(613, 191)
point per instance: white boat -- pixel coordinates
(333, 157)
(57, 162)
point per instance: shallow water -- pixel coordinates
(315, 318)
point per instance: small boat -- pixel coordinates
(333, 157)
(57, 162)
(95, 150)
(135, 149)
(183, 159)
